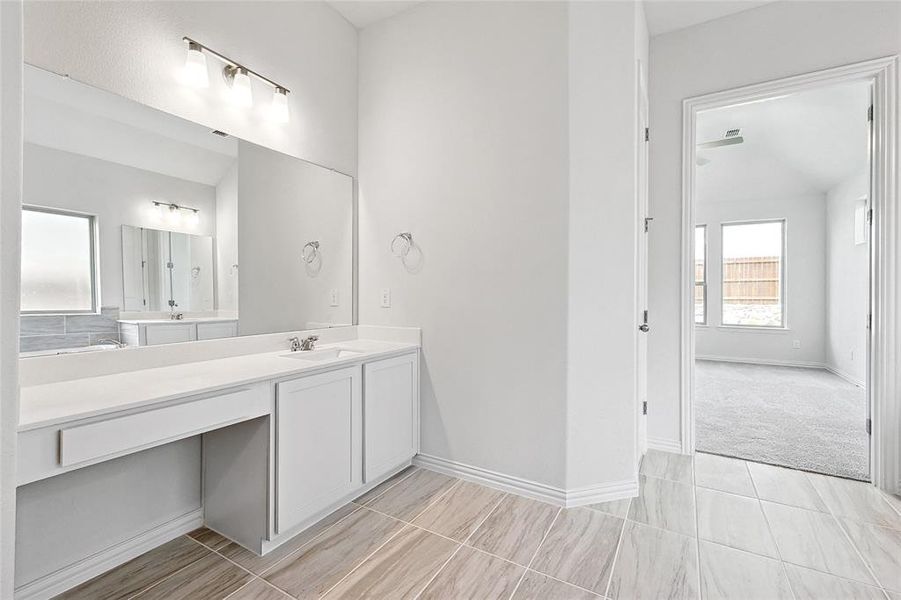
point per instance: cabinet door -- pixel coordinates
(318, 444)
(169, 333)
(217, 330)
(390, 401)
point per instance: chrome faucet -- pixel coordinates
(304, 345)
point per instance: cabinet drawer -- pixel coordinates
(138, 431)
(167, 333)
(213, 331)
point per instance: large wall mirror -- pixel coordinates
(140, 228)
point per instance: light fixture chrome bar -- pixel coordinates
(193, 44)
(177, 206)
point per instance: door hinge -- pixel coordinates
(869, 321)
(870, 113)
(644, 407)
(647, 223)
(647, 134)
(870, 216)
(869, 426)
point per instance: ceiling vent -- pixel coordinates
(219, 133)
(730, 138)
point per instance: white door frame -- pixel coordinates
(885, 343)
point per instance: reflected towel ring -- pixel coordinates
(310, 252)
(401, 244)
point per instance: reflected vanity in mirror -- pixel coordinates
(142, 228)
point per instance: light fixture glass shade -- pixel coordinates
(194, 72)
(278, 112)
(173, 214)
(241, 92)
(194, 218)
(279, 109)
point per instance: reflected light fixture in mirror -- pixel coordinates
(195, 72)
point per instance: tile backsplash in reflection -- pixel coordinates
(53, 332)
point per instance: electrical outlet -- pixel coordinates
(386, 298)
(796, 344)
(333, 297)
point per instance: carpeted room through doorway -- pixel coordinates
(802, 418)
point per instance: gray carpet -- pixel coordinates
(802, 418)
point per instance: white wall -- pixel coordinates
(847, 281)
(306, 46)
(117, 195)
(800, 37)
(805, 282)
(285, 203)
(463, 142)
(502, 135)
(10, 261)
(135, 49)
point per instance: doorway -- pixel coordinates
(784, 269)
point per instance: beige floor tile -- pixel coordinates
(210, 578)
(460, 511)
(664, 504)
(667, 465)
(735, 521)
(580, 548)
(881, 548)
(653, 563)
(535, 586)
(209, 538)
(137, 574)
(412, 495)
(856, 500)
(474, 574)
(385, 485)
(813, 539)
(808, 584)
(321, 564)
(732, 574)
(258, 589)
(617, 508)
(260, 564)
(399, 569)
(785, 486)
(515, 528)
(723, 474)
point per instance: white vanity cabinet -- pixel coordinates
(391, 424)
(154, 333)
(318, 443)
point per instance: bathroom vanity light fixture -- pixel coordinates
(173, 212)
(238, 78)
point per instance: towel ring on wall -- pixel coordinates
(401, 244)
(310, 252)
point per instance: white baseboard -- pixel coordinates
(846, 376)
(77, 573)
(665, 445)
(763, 361)
(530, 489)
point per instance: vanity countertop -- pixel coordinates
(176, 321)
(49, 404)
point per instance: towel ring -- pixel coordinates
(310, 252)
(401, 244)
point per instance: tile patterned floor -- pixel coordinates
(702, 527)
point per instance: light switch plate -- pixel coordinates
(796, 344)
(386, 298)
(333, 297)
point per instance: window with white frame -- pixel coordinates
(58, 262)
(754, 274)
(701, 274)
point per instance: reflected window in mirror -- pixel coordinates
(58, 262)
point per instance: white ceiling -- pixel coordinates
(67, 115)
(669, 15)
(805, 143)
(362, 13)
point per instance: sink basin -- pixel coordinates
(322, 355)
